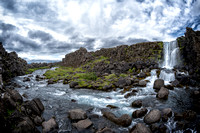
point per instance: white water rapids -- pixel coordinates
(57, 97)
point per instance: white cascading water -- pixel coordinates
(171, 59)
(171, 54)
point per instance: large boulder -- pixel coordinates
(83, 124)
(136, 104)
(139, 113)
(25, 126)
(163, 93)
(77, 114)
(39, 104)
(152, 117)
(50, 125)
(158, 83)
(140, 128)
(125, 120)
(15, 95)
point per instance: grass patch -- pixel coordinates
(87, 76)
(31, 70)
(123, 75)
(111, 76)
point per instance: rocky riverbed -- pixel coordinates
(106, 110)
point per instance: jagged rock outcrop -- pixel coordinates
(10, 64)
(146, 52)
(190, 52)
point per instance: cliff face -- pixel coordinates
(10, 64)
(190, 52)
(146, 52)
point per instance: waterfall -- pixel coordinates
(171, 59)
(171, 55)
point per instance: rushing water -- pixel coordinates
(57, 97)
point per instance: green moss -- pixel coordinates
(123, 75)
(132, 70)
(9, 112)
(161, 45)
(111, 76)
(87, 76)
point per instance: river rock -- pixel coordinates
(139, 113)
(137, 104)
(82, 124)
(39, 104)
(77, 114)
(163, 93)
(73, 84)
(33, 107)
(167, 112)
(140, 128)
(152, 117)
(158, 128)
(105, 130)
(189, 115)
(26, 79)
(142, 83)
(121, 83)
(50, 125)
(158, 83)
(51, 81)
(38, 120)
(175, 83)
(141, 75)
(125, 120)
(170, 87)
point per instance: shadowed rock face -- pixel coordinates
(11, 65)
(148, 51)
(190, 52)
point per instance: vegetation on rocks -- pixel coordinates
(31, 70)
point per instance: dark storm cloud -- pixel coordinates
(43, 36)
(21, 43)
(52, 27)
(108, 42)
(7, 27)
(9, 4)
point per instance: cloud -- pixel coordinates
(51, 28)
(43, 36)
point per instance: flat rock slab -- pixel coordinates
(83, 124)
(77, 114)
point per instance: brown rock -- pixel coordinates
(139, 113)
(152, 117)
(77, 114)
(163, 93)
(141, 128)
(83, 124)
(49, 125)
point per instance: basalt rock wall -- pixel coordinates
(190, 52)
(146, 52)
(10, 64)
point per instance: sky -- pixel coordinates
(49, 29)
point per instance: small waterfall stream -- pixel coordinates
(171, 59)
(57, 97)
